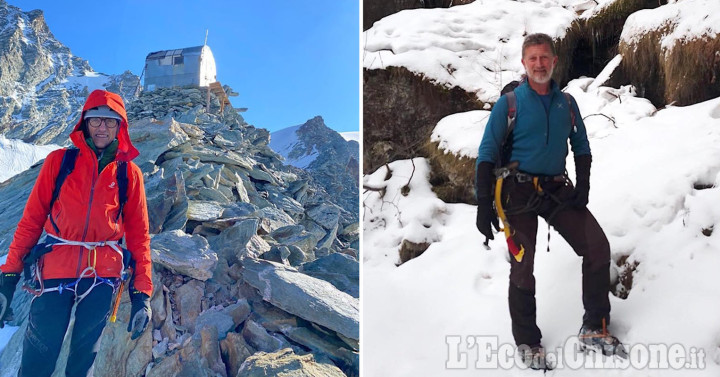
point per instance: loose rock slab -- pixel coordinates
(286, 363)
(304, 296)
(184, 254)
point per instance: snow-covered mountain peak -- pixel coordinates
(43, 85)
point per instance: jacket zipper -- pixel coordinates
(547, 127)
(87, 217)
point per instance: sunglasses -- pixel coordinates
(109, 122)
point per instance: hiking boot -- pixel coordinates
(600, 340)
(534, 357)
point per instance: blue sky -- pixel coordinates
(289, 60)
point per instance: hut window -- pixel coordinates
(178, 60)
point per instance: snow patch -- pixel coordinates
(352, 135)
(286, 141)
(89, 79)
(459, 133)
(17, 156)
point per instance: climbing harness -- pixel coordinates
(533, 204)
(33, 272)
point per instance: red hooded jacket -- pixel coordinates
(86, 209)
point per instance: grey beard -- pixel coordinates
(544, 80)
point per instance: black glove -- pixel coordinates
(8, 281)
(140, 313)
(582, 187)
(486, 214)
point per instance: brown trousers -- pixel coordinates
(579, 228)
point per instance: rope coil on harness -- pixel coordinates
(33, 270)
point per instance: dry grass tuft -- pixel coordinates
(452, 177)
(684, 74)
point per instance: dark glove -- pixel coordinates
(582, 187)
(140, 313)
(8, 281)
(486, 214)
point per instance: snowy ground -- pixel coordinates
(643, 195)
(17, 156)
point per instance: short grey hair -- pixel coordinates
(538, 39)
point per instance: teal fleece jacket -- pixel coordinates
(539, 137)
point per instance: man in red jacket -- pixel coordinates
(84, 225)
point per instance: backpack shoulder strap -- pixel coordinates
(122, 180)
(66, 167)
(569, 98)
(512, 113)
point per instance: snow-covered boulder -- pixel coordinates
(671, 53)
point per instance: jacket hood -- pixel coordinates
(125, 151)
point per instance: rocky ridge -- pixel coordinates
(334, 162)
(251, 257)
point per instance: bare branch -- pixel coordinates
(405, 190)
(373, 188)
(388, 174)
(611, 119)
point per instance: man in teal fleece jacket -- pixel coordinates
(538, 186)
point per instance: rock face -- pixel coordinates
(400, 110)
(332, 161)
(594, 40)
(374, 10)
(42, 84)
